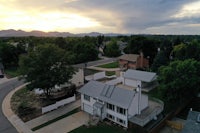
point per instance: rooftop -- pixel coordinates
(129, 57)
(140, 75)
(109, 93)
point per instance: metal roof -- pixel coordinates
(140, 75)
(108, 93)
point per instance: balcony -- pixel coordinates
(151, 112)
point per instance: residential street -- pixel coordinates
(95, 63)
(5, 88)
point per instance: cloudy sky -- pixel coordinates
(105, 16)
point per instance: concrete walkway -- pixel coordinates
(53, 114)
(14, 119)
(63, 125)
(67, 124)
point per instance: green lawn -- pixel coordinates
(110, 65)
(110, 73)
(100, 128)
(12, 72)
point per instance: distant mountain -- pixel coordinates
(21, 33)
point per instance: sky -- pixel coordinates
(105, 16)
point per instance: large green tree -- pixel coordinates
(137, 44)
(45, 67)
(8, 55)
(179, 80)
(188, 50)
(112, 49)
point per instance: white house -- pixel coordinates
(111, 102)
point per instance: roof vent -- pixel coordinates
(198, 118)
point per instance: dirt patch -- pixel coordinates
(26, 104)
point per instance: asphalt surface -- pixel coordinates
(5, 88)
(94, 63)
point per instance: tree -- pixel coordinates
(100, 39)
(190, 50)
(179, 80)
(160, 60)
(60, 42)
(112, 49)
(8, 55)
(46, 67)
(137, 44)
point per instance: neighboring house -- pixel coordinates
(77, 79)
(111, 102)
(146, 80)
(133, 61)
(192, 124)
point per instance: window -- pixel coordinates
(110, 116)
(94, 98)
(100, 101)
(121, 121)
(86, 97)
(121, 110)
(110, 106)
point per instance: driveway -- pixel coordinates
(67, 124)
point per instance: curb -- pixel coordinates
(11, 116)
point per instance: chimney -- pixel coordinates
(141, 59)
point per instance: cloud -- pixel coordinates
(123, 16)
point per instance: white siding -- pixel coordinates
(78, 78)
(144, 102)
(133, 108)
(130, 82)
(87, 106)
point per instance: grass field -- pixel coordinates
(100, 128)
(110, 65)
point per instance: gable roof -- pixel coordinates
(191, 123)
(108, 93)
(129, 57)
(140, 75)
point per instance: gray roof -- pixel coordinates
(191, 124)
(129, 57)
(108, 93)
(140, 75)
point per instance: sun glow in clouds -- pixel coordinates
(49, 21)
(189, 10)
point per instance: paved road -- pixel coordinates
(5, 88)
(94, 63)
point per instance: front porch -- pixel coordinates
(151, 112)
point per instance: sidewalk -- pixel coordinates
(26, 127)
(53, 114)
(14, 119)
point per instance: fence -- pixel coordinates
(58, 104)
(115, 81)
